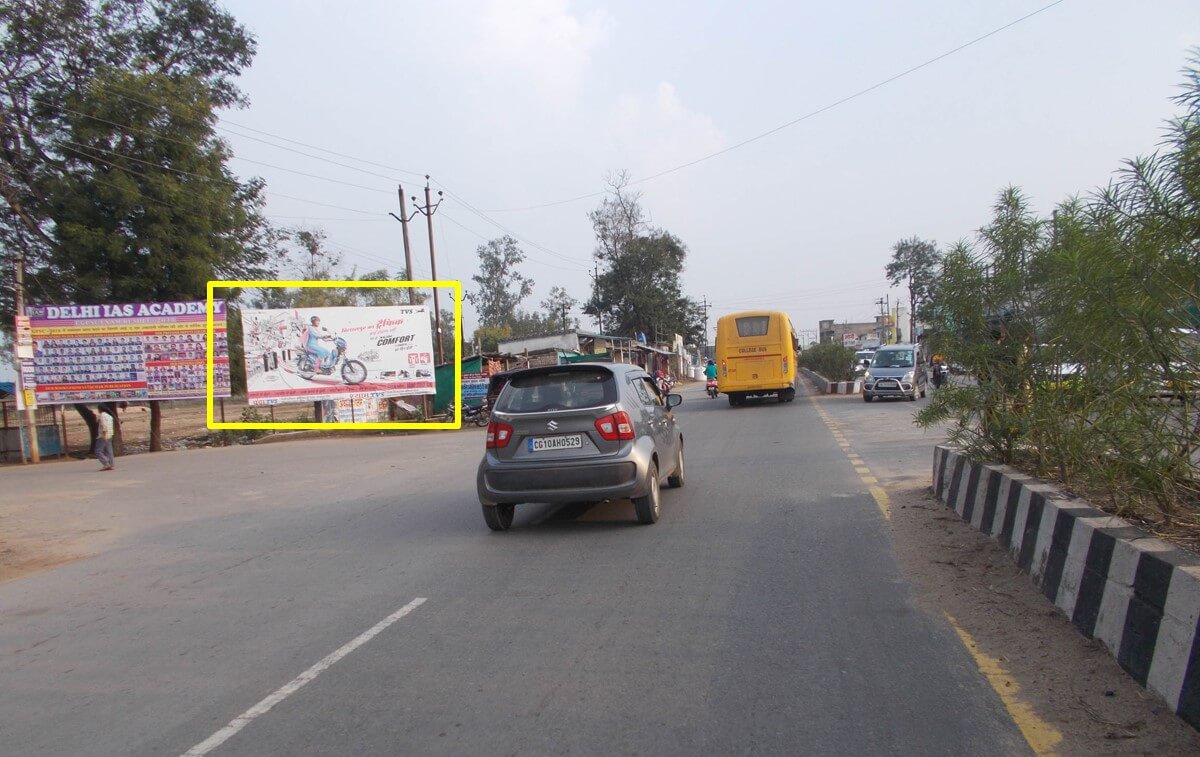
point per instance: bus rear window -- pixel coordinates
(755, 325)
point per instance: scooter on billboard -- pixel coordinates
(353, 371)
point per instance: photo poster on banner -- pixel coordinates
(327, 353)
(132, 352)
(356, 410)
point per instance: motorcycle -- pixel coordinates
(480, 415)
(711, 388)
(353, 371)
(941, 374)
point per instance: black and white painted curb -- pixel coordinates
(1136, 594)
(825, 386)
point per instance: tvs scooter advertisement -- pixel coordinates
(306, 354)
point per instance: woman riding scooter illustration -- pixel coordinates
(319, 359)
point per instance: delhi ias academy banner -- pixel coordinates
(306, 354)
(135, 351)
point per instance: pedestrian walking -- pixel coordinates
(104, 434)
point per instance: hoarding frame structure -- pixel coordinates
(137, 328)
(209, 399)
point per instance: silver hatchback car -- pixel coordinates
(584, 432)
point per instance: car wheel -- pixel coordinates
(498, 517)
(866, 397)
(675, 480)
(733, 401)
(647, 507)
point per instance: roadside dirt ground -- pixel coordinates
(1072, 682)
(183, 424)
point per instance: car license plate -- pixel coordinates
(549, 443)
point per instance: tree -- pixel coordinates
(489, 337)
(638, 288)
(501, 286)
(914, 264)
(113, 184)
(321, 261)
(558, 306)
(124, 76)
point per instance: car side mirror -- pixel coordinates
(674, 400)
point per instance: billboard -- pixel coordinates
(135, 351)
(306, 354)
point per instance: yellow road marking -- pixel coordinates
(1040, 735)
(864, 473)
(882, 499)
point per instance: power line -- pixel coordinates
(193, 214)
(806, 116)
(128, 128)
(505, 229)
(322, 149)
(471, 208)
(469, 230)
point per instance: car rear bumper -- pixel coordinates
(564, 481)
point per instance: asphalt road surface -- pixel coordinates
(343, 596)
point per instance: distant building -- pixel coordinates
(882, 330)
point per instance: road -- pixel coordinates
(343, 596)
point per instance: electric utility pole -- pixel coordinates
(30, 420)
(403, 219)
(596, 297)
(428, 210)
(704, 306)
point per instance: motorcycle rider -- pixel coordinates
(940, 370)
(710, 370)
(314, 334)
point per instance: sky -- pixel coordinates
(517, 108)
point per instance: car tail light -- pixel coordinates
(785, 361)
(498, 434)
(724, 369)
(615, 427)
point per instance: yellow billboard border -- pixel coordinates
(216, 425)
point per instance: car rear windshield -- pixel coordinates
(753, 325)
(558, 390)
(893, 359)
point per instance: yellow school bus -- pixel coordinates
(756, 356)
